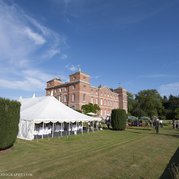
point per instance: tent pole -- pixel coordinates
(43, 131)
(36, 130)
(53, 130)
(61, 129)
(76, 127)
(93, 126)
(69, 129)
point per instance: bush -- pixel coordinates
(118, 119)
(9, 120)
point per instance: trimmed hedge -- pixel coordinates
(9, 120)
(118, 119)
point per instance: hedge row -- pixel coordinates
(9, 120)
(118, 119)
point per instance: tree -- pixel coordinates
(177, 113)
(87, 108)
(170, 105)
(131, 102)
(149, 103)
(118, 119)
(9, 120)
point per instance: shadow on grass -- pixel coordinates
(172, 169)
(140, 128)
(136, 130)
(172, 135)
(164, 134)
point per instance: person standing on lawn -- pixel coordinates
(157, 124)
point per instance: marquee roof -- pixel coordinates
(48, 109)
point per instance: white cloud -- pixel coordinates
(38, 39)
(72, 68)
(28, 84)
(22, 39)
(64, 56)
(31, 79)
(95, 77)
(51, 53)
(171, 88)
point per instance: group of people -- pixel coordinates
(156, 123)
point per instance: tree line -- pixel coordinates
(150, 103)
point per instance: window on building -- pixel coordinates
(101, 101)
(101, 112)
(96, 101)
(51, 93)
(64, 89)
(73, 97)
(104, 102)
(84, 87)
(59, 98)
(84, 97)
(65, 99)
(73, 87)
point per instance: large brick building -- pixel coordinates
(78, 92)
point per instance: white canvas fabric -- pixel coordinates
(46, 109)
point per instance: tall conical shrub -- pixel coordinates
(118, 119)
(9, 120)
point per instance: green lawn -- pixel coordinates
(134, 153)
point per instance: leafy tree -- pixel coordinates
(170, 105)
(138, 111)
(131, 102)
(87, 108)
(173, 102)
(149, 103)
(177, 113)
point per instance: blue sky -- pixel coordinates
(131, 42)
